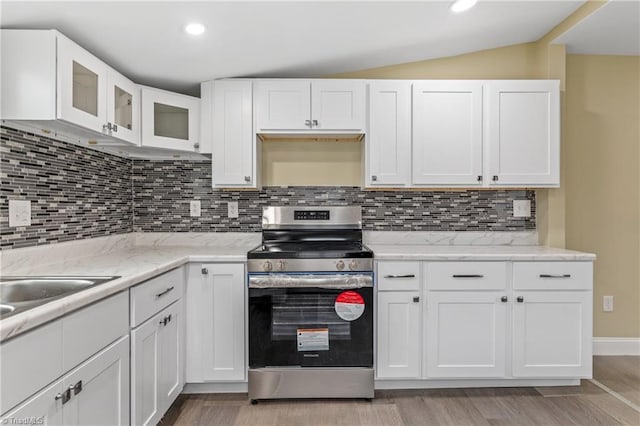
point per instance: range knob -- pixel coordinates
(353, 265)
(340, 265)
(281, 265)
(267, 266)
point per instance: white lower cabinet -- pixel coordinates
(399, 343)
(552, 334)
(96, 392)
(216, 305)
(465, 334)
(156, 372)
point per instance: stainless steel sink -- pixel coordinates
(18, 294)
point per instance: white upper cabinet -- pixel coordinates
(234, 145)
(303, 105)
(47, 77)
(170, 120)
(388, 143)
(447, 133)
(523, 132)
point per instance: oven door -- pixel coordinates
(311, 320)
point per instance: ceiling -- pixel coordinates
(144, 40)
(613, 29)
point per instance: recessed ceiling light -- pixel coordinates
(462, 5)
(194, 28)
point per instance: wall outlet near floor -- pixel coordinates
(607, 303)
(19, 213)
(232, 209)
(521, 208)
(195, 208)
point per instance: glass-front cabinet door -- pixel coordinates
(123, 98)
(170, 120)
(82, 86)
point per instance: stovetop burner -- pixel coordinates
(311, 250)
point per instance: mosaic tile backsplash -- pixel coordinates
(79, 193)
(75, 192)
(163, 189)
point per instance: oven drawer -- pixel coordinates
(399, 276)
(466, 275)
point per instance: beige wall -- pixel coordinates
(602, 181)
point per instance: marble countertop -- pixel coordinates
(139, 257)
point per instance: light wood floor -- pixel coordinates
(586, 404)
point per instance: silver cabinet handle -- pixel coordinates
(519, 299)
(315, 123)
(114, 127)
(196, 145)
(105, 129)
(166, 320)
(467, 276)
(495, 178)
(416, 299)
(77, 388)
(400, 276)
(247, 178)
(204, 271)
(479, 178)
(504, 299)
(162, 293)
(307, 123)
(555, 276)
(64, 396)
(374, 178)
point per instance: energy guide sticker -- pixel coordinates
(313, 339)
(349, 305)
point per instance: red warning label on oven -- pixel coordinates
(349, 305)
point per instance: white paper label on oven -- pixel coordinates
(313, 339)
(349, 305)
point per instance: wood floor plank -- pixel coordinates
(586, 387)
(261, 414)
(582, 412)
(615, 408)
(379, 414)
(216, 415)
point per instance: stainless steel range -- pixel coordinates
(311, 306)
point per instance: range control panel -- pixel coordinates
(311, 215)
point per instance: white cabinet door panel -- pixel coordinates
(389, 134)
(145, 374)
(46, 404)
(399, 343)
(447, 133)
(283, 105)
(337, 104)
(465, 334)
(170, 345)
(523, 132)
(552, 334)
(123, 107)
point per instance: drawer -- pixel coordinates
(30, 362)
(89, 330)
(398, 276)
(553, 275)
(466, 275)
(156, 294)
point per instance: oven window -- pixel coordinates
(306, 311)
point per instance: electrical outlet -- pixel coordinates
(195, 208)
(232, 209)
(607, 303)
(521, 208)
(19, 213)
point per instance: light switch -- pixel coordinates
(232, 209)
(195, 208)
(19, 213)
(521, 208)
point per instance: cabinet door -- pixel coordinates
(171, 356)
(100, 394)
(552, 334)
(465, 334)
(337, 105)
(523, 133)
(399, 343)
(170, 120)
(82, 86)
(389, 137)
(145, 372)
(447, 133)
(45, 405)
(283, 105)
(222, 309)
(123, 108)
(233, 138)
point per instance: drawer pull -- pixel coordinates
(555, 276)
(400, 276)
(162, 293)
(468, 276)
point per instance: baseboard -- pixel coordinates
(616, 346)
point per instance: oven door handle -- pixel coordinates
(337, 281)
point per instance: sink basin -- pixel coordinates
(18, 294)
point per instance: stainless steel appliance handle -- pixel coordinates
(336, 281)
